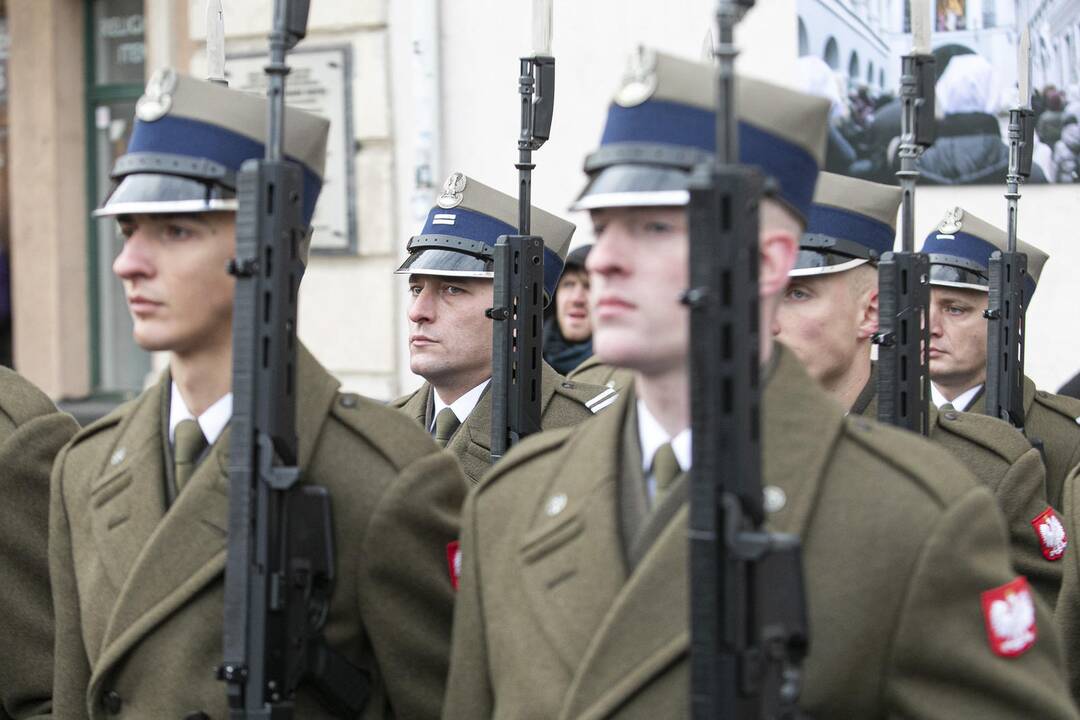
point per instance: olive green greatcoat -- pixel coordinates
(1050, 422)
(139, 589)
(32, 431)
(1068, 607)
(1000, 457)
(595, 372)
(899, 544)
(562, 403)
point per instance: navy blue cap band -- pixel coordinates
(669, 123)
(472, 225)
(969, 247)
(184, 136)
(855, 227)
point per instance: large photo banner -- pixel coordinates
(849, 52)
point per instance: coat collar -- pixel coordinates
(646, 628)
(184, 549)
(472, 441)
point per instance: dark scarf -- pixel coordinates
(562, 355)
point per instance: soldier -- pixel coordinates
(573, 599)
(450, 338)
(959, 251)
(139, 504)
(32, 431)
(828, 317)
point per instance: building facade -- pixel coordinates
(418, 88)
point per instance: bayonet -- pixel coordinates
(215, 42)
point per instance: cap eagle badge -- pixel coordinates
(952, 223)
(1009, 612)
(157, 99)
(453, 191)
(639, 81)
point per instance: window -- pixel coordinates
(832, 54)
(115, 66)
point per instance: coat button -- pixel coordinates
(113, 702)
(199, 715)
(349, 400)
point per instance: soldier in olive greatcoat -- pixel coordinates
(139, 513)
(828, 317)
(450, 270)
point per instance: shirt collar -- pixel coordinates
(960, 402)
(463, 406)
(652, 435)
(212, 422)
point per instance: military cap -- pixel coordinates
(960, 249)
(662, 123)
(852, 222)
(458, 238)
(190, 139)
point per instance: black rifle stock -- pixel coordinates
(280, 560)
(1007, 304)
(903, 338)
(518, 301)
(747, 605)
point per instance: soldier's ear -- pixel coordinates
(777, 250)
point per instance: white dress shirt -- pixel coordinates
(462, 407)
(212, 422)
(961, 401)
(651, 436)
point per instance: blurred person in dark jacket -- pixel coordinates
(968, 148)
(568, 328)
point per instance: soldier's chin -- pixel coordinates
(150, 341)
(619, 346)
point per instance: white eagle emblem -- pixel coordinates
(453, 191)
(639, 81)
(1012, 619)
(1052, 535)
(157, 100)
(951, 224)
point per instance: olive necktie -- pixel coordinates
(189, 444)
(446, 423)
(665, 468)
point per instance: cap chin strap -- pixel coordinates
(450, 242)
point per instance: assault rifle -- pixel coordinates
(1007, 304)
(747, 606)
(518, 306)
(280, 563)
(903, 338)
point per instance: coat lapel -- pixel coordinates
(571, 555)
(416, 405)
(646, 630)
(127, 496)
(186, 549)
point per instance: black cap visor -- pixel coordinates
(145, 193)
(635, 186)
(451, 263)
